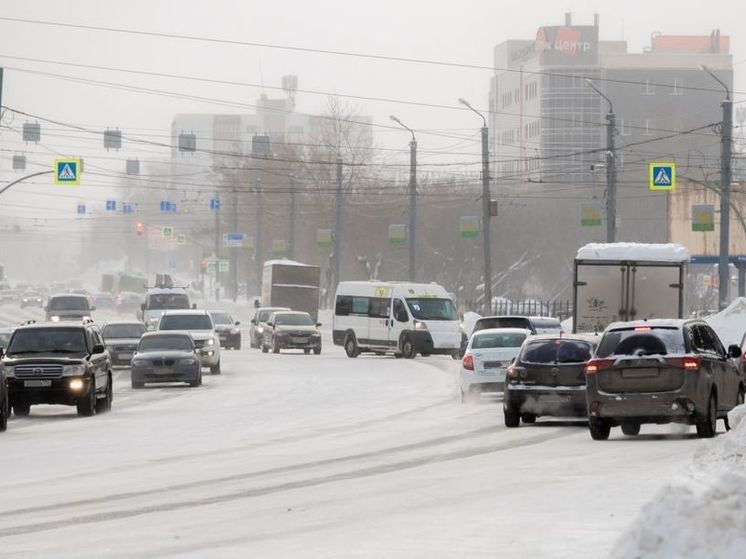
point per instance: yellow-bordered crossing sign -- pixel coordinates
(662, 176)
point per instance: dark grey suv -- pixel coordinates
(547, 378)
(661, 371)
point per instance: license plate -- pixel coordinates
(493, 364)
(640, 373)
(37, 383)
(299, 340)
(497, 374)
(124, 356)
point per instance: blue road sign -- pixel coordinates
(81, 209)
(127, 208)
(67, 171)
(111, 205)
(662, 176)
(214, 204)
(167, 206)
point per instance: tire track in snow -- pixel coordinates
(249, 493)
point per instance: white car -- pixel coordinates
(487, 357)
(199, 324)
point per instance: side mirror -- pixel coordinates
(734, 351)
(2, 353)
(238, 322)
(254, 321)
(93, 308)
(271, 324)
(98, 348)
(318, 325)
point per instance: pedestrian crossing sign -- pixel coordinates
(67, 171)
(662, 176)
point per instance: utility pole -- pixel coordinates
(258, 254)
(291, 223)
(338, 223)
(217, 252)
(726, 152)
(1, 89)
(486, 213)
(610, 167)
(234, 250)
(412, 199)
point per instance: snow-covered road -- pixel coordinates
(319, 456)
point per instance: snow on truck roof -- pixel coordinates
(639, 252)
(285, 262)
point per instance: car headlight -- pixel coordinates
(211, 341)
(419, 325)
(54, 318)
(187, 361)
(234, 331)
(259, 329)
(137, 362)
(76, 384)
(9, 371)
(316, 334)
(73, 370)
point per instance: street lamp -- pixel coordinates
(412, 197)
(726, 137)
(610, 166)
(486, 214)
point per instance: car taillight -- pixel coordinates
(688, 362)
(468, 362)
(596, 365)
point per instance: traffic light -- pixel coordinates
(139, 228)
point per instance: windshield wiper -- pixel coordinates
(66, 351)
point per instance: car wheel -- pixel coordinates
(237, 345)
(265, 349)
(21, 410)
(103, 405)
(196, 382)
(456, 355)
(631, 429)
(87, 406)
(215, 369)
(137, 384)
(275, 348)
(351, 348)
(512, 417)
(707, 424)
(528, 418)
(306, 351)
(317, 351)
(600, 428)
(407, 348)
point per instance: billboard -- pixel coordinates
(575, 45)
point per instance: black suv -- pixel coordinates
(547, 378)
(58, 363)
(661, 371)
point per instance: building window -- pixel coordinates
(623, 127)
(677, 87)
(647, 88)
(648, 125)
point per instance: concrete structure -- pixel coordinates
(548, 128)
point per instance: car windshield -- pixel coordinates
(48, 340)
(293, 320)
(221, 318)
(165, 343)
(502, 322)
(497, 339)
(642, 341)
(69, 303)
(432, 309)
(556, 351)
(114, 331)
(185, 322)
(264, 314)
(165, 301)
(31, 295)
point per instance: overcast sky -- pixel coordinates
(463, 32)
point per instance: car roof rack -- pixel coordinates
(27, 322)
(88, 320)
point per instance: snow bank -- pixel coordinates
(671, 252)
(702, 517)
(730, 323)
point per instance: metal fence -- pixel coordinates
(532, 307)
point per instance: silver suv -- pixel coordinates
(661, 371)
(199, 324)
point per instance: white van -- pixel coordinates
(395, 317)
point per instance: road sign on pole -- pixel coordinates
(234, 240)
(224, 266)
(111, 205)
(81, 209)
(67, 171)
(662, 176)
(214, 204)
